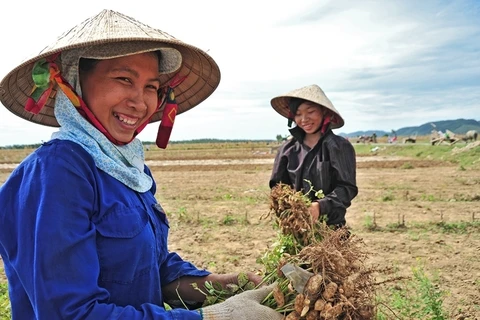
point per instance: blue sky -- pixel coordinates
(384, 64)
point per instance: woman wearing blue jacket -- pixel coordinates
(81, 233)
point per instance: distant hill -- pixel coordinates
(459, 126)
(379, 133)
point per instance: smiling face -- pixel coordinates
(122, 93)
(309, 116)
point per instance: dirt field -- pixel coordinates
(215, 220)
(215, 208)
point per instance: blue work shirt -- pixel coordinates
(79, 244)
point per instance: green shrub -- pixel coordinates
(5, 310)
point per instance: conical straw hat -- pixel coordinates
(311, 93)
(110, 29)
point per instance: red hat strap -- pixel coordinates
(169, 113)
(329, 118)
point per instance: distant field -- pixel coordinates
(417, 205)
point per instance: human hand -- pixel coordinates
(244, 306)
(183, 286)
(315, 211)
(232, 278)
(255, 278)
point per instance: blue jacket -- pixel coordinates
(79, 244)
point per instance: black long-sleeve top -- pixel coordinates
(330, 166)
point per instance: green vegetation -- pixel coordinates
(407, 165)
(415, 298)
(429, 197)
(183, 215)
(283, 244)
(388, 197)
(369, 222)
(467, 158)
(461, 227)
(5, 312)
(458, 227)
(228, 220)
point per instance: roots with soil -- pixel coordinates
(341, 286)
(291, 211)
(338, 284)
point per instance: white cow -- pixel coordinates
(470, 135)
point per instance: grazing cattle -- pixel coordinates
(369, 139)
(470, 135)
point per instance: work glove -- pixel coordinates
(244, 306)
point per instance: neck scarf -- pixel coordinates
(123, 162)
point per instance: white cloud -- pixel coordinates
(384, 64)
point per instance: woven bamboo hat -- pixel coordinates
(108, 35)
(311, 93)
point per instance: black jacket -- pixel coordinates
(330, 166)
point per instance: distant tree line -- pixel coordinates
(146, 143)
(22, 146)
(194, 141)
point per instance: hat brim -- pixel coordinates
(171, 58)
(280, 104)
(202, 74)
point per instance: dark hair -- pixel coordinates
(293, 105)
(86, 65)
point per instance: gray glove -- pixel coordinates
(244, 306)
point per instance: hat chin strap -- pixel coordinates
(88, 114)
(169, 113)
(323, 127)
(328, 119)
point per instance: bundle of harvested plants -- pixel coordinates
(291, 210)
(320, 271)
(340, 285)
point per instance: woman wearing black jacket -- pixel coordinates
(315, 158)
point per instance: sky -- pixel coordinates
(384, 64)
